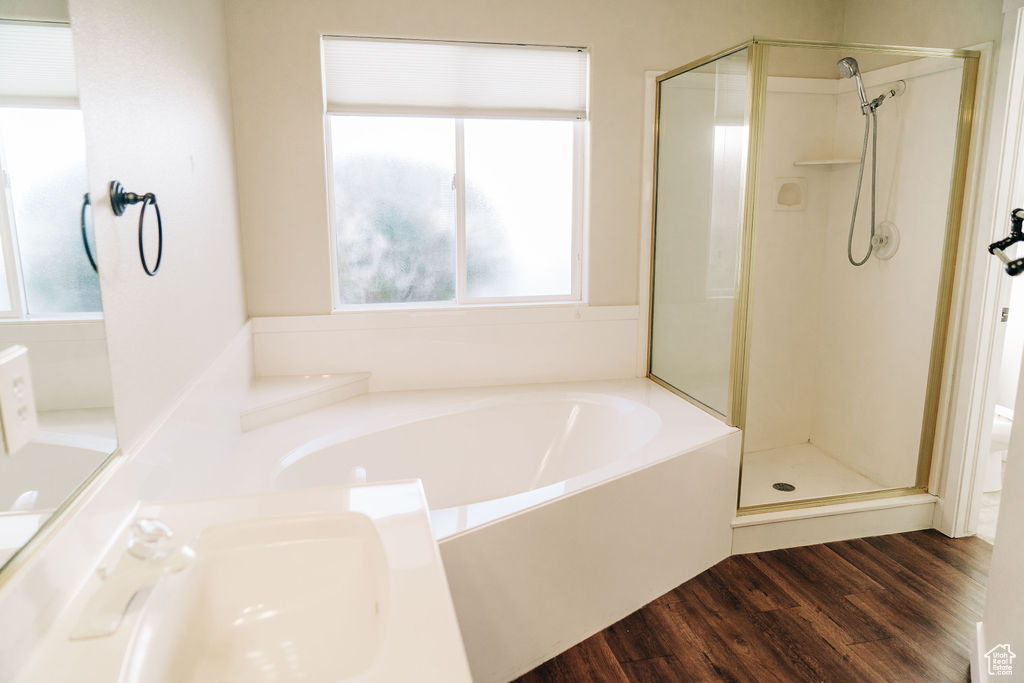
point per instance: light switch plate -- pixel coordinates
(17, 399)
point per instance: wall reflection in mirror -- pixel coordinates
(49, 290)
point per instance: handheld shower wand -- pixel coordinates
(848, 68)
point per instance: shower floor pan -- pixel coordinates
(809, 470)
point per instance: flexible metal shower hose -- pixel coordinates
(872, 125)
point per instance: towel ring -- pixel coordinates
(119, 199)
(147, 199)
(85, 235)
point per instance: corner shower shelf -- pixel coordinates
(826, 162)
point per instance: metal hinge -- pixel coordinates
(1004, 315)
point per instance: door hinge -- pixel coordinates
(1004, 315)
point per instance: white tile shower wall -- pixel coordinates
(787, 270)
(181, 459)
(453, 348)
(876, 320)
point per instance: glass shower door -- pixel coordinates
(702, 143)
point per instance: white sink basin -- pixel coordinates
(338, 584)
(284, 599)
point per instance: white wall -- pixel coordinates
(153, 85)
(277, 95)
(35, 10)
(154, 94)
(923, 23)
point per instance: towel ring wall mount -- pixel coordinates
(119, 200)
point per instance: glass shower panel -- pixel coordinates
(841, 328)
(701, 172)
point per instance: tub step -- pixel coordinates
(272, 399)
(826, 523)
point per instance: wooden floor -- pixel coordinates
(889, 608)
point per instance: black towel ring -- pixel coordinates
(147, 199)
(119, 199)
(85, 235)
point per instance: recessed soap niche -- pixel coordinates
(790, 194)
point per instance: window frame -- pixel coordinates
(459, 186)
(13, 269)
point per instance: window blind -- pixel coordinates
(377, 76)
(36, 63)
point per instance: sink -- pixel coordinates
(327, 584)
(283, 599)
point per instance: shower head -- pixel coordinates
(848, 69)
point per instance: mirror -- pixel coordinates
(49, 289)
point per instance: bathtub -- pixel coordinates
(559, 509)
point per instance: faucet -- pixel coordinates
(152, 553)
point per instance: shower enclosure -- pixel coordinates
(769, 191)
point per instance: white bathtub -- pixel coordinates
(559, 508)
(492, 457)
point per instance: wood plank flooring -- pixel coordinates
(889, 608)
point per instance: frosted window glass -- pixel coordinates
(44, 154)
(394, 208)
(519, 208)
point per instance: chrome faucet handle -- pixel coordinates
(151, 539)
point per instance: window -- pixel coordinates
(455, 171)
(44, 270)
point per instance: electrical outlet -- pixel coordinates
(17, 399)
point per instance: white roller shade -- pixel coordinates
(36, 63)
(364, 75)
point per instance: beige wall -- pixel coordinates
(276, 91)
(922, 23)
(153, 84)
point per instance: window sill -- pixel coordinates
(438, 306)
(54, 320)
(465, 315)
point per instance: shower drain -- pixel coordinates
(783, 486)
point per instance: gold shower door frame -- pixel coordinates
(757, 66)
